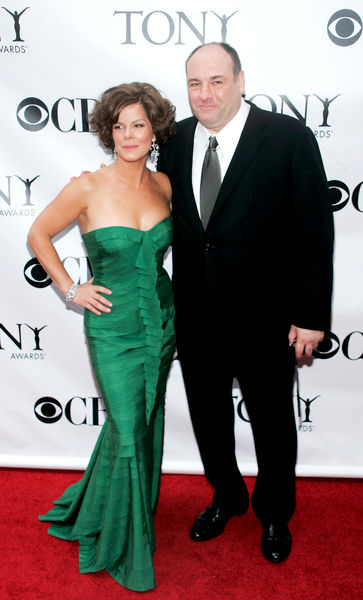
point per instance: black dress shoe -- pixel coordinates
(211, 523)
(275, 542)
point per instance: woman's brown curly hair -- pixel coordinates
(160, 112)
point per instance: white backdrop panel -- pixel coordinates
(60, 58)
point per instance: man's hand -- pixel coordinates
(102, 165)
(306, 340)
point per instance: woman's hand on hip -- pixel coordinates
(89, 296)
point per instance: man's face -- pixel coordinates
(214, 91)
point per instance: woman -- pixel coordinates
(124, 215)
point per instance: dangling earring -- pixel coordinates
(154, 152)
(114, 154)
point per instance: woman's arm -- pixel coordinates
(62, 211)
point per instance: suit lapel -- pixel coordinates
(186, 162)
(250, 143)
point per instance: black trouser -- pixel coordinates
(266, 385)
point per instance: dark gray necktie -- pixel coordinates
(210, 181)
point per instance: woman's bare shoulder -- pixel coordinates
(162, 181)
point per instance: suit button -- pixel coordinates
(208, 246)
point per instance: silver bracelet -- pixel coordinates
(72, 292)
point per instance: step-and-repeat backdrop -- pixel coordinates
(55, 58)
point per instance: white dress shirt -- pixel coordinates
(227, 138)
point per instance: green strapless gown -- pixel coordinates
(110, 510)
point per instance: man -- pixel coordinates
(252, 278)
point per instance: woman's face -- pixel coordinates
(132, 133)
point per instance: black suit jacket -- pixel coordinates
(265, 259)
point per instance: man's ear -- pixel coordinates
(241, 82)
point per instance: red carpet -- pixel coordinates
(325, 563)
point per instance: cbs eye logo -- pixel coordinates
(79, 410)
(35, 274)
(340, 195)
(48, 410)
(66, 114)
(32, 114)
(351, 346)
(344, 27)
(329, 347)
(79, 268)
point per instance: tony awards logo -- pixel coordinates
(16, 47)
(159, 27)
(306, 424)
(27, 341)
(18, 202)
(313, 110)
